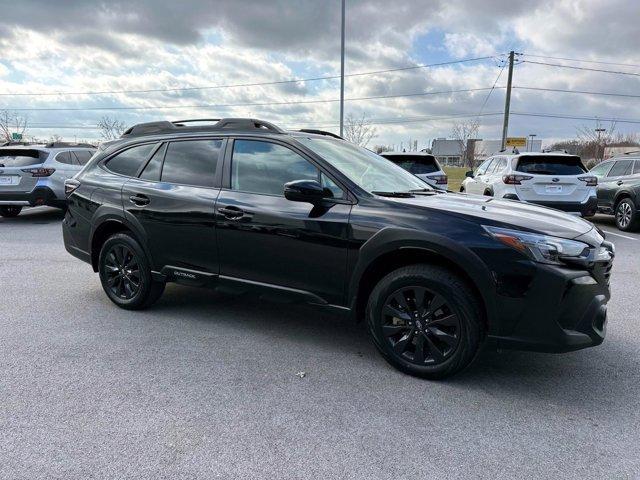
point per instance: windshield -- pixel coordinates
(20, 157)
(371, 172)
(551, 165)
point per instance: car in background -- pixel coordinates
(619, 190)
(422, 165)
(551, 179)
(34, 174)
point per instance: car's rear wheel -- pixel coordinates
(10, 211)
(425, 321)
(627, 218)
(125, 273)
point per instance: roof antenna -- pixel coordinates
(515, 151)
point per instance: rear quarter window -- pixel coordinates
(15, 157)
(551, 165)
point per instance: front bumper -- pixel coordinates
(561, 310)
(38, 196)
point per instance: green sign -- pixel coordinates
(16, 136)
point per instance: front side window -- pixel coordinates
(263, 167)
(621, 168)
(129, 162)
(636, 169)
(484, 167)
(368, 170)
(192, 162)
(66, 158)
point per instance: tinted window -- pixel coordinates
(601, 170)
(416, 164)
(636, 169)
(262, 167)
(128, 162)
(551, 165)
(66, 157)
(83, 156)
(328, 184)
(621, 167)
(192, 162)
(153, 168)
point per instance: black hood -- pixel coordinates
(521, 215)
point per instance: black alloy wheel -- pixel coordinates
(122, 272)
(420, 325)
(626, 215)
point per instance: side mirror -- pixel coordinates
(469, 174)
(304, 191)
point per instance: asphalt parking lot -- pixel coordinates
(204, 385)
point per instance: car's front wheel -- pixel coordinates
(125, 273)
(425, 321)
(10, 211)
(627, 217)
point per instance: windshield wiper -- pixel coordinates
(426, 191)
(394, 194)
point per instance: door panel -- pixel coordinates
(269, 239)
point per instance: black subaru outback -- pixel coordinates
(240, 202)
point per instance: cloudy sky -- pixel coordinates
(190, 52)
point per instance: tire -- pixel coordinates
(10, 211)
(626, 215)
(123, 262)
(450, 328)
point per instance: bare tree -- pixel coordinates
(10, 123)
(359, 130)
(55, 138)
(110, 128)
(594, 140)
(462, 132)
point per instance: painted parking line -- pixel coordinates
(620, 235)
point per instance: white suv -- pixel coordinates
(556, 180)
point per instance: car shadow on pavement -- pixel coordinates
(35, 215)
(565, 379)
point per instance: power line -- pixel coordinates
(256, 84)
(585, 92)
(583, 60)
(576, 117)
(573, 67)
(249, 104)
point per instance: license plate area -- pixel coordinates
(8, 180)
(553, 189)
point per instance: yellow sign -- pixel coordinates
(516, 141)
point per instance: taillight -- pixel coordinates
(70, 186)
(591, 181)
(440, 179)
(515, 179)
(39, 172)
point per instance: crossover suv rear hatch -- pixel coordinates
(554, 178)
(13, 162)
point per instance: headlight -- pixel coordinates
(541, 248)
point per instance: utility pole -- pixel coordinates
(342, 72)
(507, 102)
(531, 137)
(599, 131)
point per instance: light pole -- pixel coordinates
(531, 137)
(342, 71)
(599, 131)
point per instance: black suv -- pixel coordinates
(619, 190)
(307, 215)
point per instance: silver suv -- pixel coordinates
(33, 175)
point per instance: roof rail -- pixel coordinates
(12, 143)
(154, 128)
(68, 145)
(632, 152)
(320, 132)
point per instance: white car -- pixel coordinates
(556, 180)
(422, 165)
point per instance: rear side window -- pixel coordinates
(14, 157)
(192, 162)
(620, 168)
(154, 167)
(498, 165)
(66, 158)
(263, 167)
(636, 169)
(129, 162)
(82, 156)
(482, 169)
(551, 165)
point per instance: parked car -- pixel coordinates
(619, 190)
(556, 180)
(34, 174)
(422, 165)
(244, 204)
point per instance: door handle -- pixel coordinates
(231, 213)
(139, 200)
(619, 182)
